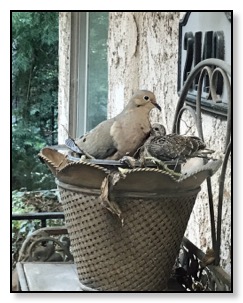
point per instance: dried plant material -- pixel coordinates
(104, 197)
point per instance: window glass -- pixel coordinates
(97, 82)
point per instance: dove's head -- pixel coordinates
(145, 99)
(157, 129)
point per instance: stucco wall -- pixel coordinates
(143, 54)
(64, 75)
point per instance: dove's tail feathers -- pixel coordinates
(70, 143)
(202, 153)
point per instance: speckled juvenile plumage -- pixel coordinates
(171, 147)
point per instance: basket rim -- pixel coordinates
(141, 194)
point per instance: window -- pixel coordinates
(89, 71)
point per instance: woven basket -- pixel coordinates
(139, 254)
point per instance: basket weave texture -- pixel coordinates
(137, 256)
(153, 206)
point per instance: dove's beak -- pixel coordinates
(156, 105)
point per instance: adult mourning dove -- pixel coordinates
(121, 135)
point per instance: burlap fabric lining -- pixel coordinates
(137, 256)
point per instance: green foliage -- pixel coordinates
(27, 170)
(34, 96)
(34, 112)
(20, 229)
(31, 201)
(18, 206)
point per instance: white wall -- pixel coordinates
(64, 75)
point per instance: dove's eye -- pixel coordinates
(146, 98)
(156, 128)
